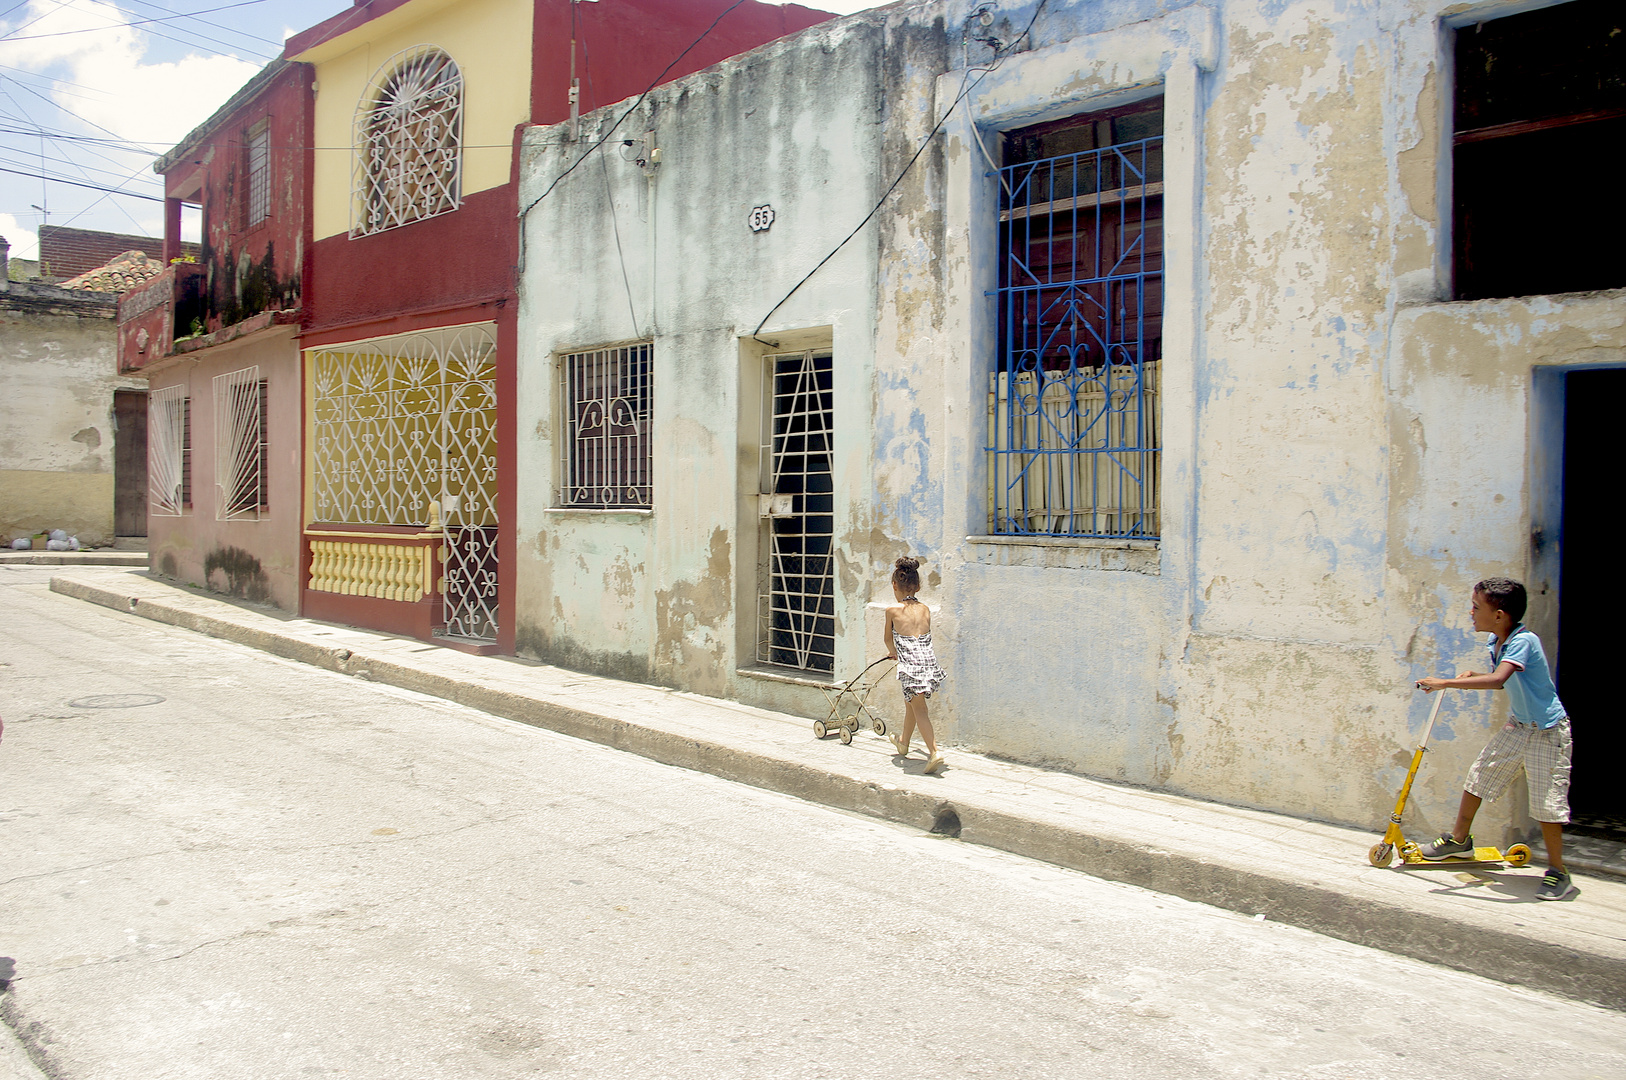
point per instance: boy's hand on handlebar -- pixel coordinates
(1429, 685)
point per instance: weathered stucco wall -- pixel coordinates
(254, 560)
(1345, 451)
(620, 252)
(56, 419)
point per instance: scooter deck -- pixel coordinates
(1483, 856)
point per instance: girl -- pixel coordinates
(909, 642)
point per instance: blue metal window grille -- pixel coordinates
(1073, 405)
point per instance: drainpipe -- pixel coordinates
(575, 83)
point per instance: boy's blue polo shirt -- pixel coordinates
(1530, 690)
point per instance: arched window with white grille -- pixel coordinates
(409, 142)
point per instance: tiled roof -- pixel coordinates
(124, 273)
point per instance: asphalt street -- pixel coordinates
(215, 863)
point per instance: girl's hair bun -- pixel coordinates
(907, 563)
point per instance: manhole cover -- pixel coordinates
(114, 701)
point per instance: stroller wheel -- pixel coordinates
(879, 725)
(819, 730)
(846, 736)
(1381, 855)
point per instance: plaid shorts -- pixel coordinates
(1543, 755)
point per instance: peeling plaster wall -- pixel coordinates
(56, 419)
(618, 253)
(1345, 451)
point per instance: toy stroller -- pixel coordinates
(849, 704)
(1411, 856)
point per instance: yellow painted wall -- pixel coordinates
(491, 42)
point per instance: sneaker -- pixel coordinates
(1555, 886)
(1448, 847)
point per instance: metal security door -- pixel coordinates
(405, 434)
(469, 486)
(796, 626)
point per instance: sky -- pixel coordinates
(92, 91)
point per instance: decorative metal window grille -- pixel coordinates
(797, 606)
(409, 141)
(402, 424)
(258, 205)
(605, 399)
(1073, 420)
(168, 451)
(240, 456)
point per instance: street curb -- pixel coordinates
(1264, 887)
(73, 558)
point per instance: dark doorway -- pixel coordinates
(129, 463)
(1587, 650)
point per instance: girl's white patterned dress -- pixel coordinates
(917, 665)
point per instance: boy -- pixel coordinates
(1536, 740)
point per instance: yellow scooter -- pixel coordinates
(1411, 856)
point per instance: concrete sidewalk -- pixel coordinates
(1305, 873)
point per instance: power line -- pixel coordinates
(217, 26)
(14, 7)
(56, 81)
(606, 135)
(966, 86)
(93, 187)
(122, 25)
(124, 175)
(206, 43)
(58, 105)
(91, 140)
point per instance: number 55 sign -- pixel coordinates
(761, 218)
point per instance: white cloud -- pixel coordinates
(142, 102)
(24, 240)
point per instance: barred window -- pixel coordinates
(240, 433)
(1540, 101)
(257, 169)
(604, 399)
(1073, 403)
(408, 138)
(169, 451)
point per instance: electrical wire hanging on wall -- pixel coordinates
(605, 137)
(966, 87)
(609, 196)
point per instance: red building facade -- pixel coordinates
(215, 335)
(438, 281)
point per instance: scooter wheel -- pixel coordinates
(819, 730)
(846, 736)
(879, 726)
(1381, 855)
(1517, 855)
